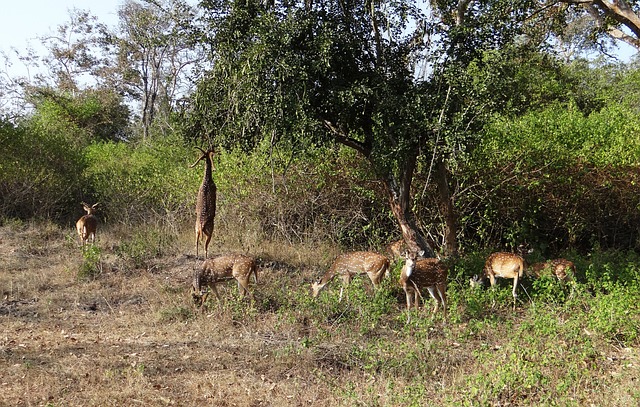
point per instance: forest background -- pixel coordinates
(463, 127)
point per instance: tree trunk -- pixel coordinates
(399, 199)
(446, 209)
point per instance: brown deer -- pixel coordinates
(504, 265)
(206, 203)
(223, 268)
(395, 250)
(428, 273)
(87, 225)
(347, 265)
(562, 269)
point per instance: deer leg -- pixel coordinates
(515, 295)
(408, 297)
(243, 285)
(215, 291)
(432, 292)
(346, 280)
(206, 245)
(203, 299)
(442, 291)
(197, 240)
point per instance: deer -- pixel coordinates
(504, 265)
(206, 202)
(562, 269)
(87, 224)
(223, 268)
(395, 250)
(430, 273)
(347, 265)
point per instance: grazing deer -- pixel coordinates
(87, 224)
(562, 269)
(425, 273)
(223, 268)
(206, 203)
(347, 265)
(504, 265)
(395, 250)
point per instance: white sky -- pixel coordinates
(21, 21)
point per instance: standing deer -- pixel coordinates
(562, 269)
(504, 265)
(347, 265)
(428, 273)
(87, 224)
(223, 268)
(206, 203)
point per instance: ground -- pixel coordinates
(131, 336)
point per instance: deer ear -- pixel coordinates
(421, 253)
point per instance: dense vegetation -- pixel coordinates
(474, 134)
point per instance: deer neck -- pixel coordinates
(207, 170)
(408, 267)
(328, 276)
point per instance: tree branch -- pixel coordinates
(341, 137)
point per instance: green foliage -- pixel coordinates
(91, 266)
(555, 178)
(137, 182)
(86, 116)
(615, 314)
(321, 194)
(40, 172)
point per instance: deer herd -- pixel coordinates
(417, 274)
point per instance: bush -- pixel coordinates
(40, 173)
(556, 179)
(142, 182)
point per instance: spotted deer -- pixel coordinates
(223, 268)
(504, 265)
(395, 250)
(562, 269)
(87, 225)
(427, 273)
(206, 202)
(348, 265)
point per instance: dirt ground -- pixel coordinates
(131, 336)
(122, 339)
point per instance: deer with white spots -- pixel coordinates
(223, 268)
(562, 269)
(348, 265)
(504, 265)
(206, 202)
(395, 250)
(427, 273)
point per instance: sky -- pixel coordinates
(21, 21)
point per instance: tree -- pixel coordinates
(92, 114)
(617, 19)
(152, 53)
(71, 63)
(390, 80)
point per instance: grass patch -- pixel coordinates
(113, 337)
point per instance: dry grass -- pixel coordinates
(129, 336)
